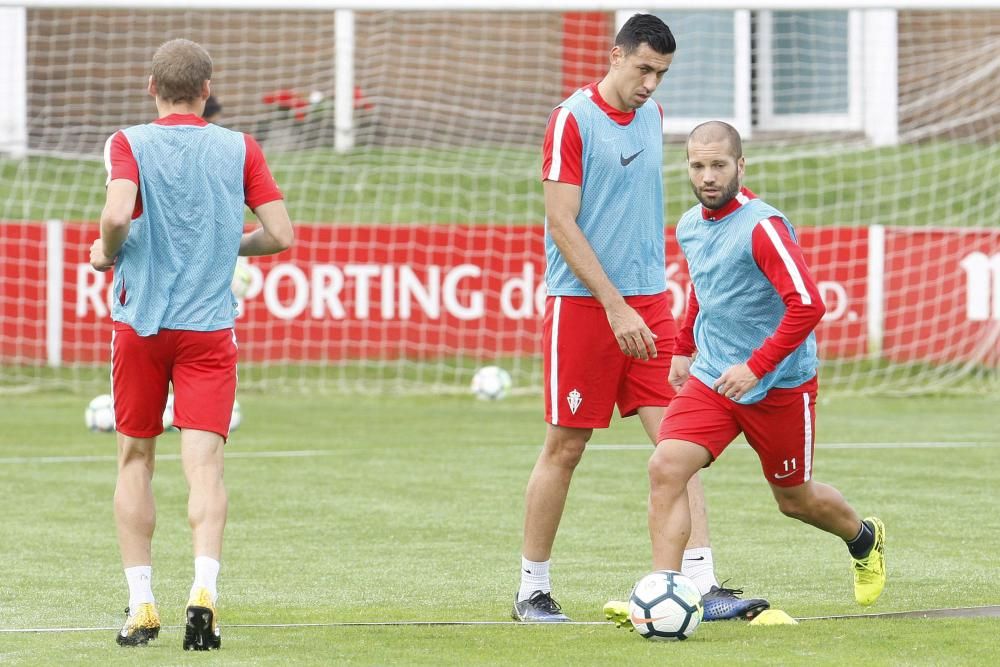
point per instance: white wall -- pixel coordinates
(13, 82)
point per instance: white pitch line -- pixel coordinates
(954, 612)
(904, 445)
(416, 623)
(104, 458)
(344, 624)
(13, 630)
(310, 453)
(830, 445)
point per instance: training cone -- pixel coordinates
(773, 617)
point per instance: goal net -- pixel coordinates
(407, 144)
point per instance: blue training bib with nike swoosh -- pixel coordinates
(621, 201)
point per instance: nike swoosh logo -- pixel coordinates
(627, 160)
(787, 474)
(642, 621)
(698, 558)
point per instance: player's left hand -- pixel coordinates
(633, 335)
(736, 382)
(98, 259)
(680, 371)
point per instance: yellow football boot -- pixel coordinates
(201, 632)
(869, 572)
(140, 626)
(616, 611)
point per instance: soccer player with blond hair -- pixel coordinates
(172, 228)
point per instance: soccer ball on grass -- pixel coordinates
(665, 605)
(168, 414)
(100, 414)
(237, 417)
(491, 383)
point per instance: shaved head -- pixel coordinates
(715, 131)
(715, 163)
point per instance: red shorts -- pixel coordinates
(585, 373)
(200, 364)
(781, 427)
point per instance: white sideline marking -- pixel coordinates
(104, 458)
(376, 623)
(309, 453)
(955, 612)
(319, 625)
(833, 445)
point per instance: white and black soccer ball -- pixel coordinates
(491, 383)
(100, 414)
(237, 417)
(168, 414)
(242, 278)
(665, 605)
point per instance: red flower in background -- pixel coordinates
(289, 100)
(360, 101)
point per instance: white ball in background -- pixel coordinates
(242, 278)
(237, 417)
(491, 383)
(100, 414)
(168, 414)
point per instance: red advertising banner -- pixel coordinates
(428, 291)
(22, 292)
(942, 295)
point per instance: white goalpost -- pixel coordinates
(406, 137)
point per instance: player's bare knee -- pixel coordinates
(667, 474)
(132, 453)
(791, 508)
(796, 505)
(566, 453)
(565, 447)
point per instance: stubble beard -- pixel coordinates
(726, 194)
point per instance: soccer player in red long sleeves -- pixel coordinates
(750, 324)
(172, 228)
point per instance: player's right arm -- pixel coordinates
(265, 200)
(562, 180)
(121, 203)
(116, 219)
(274, 235)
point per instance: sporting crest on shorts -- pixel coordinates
(574, 398)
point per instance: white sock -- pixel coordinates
(698, 566)
(206, 572)
(140, 585)
(534, 577)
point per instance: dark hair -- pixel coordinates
(212, 107)
(645, 29)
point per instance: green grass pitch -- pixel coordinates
(816, 185)
(409, 508)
